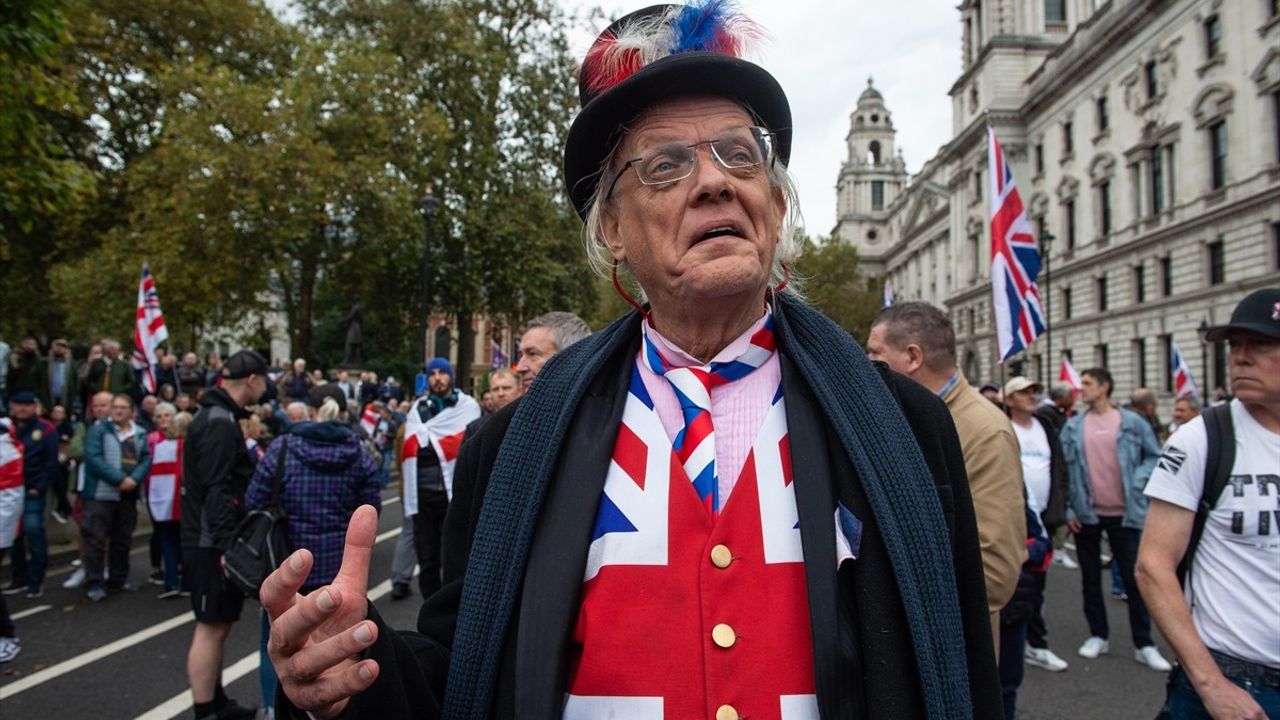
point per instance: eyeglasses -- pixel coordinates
(738, 150)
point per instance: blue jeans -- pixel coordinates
(1013, 640)
(31, 549)
(266, 671)
(1185, 704)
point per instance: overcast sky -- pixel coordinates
(822, 53)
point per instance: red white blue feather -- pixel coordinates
(706, 25)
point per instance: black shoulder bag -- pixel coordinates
(260, 543)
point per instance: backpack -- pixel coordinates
(1219, 459)
(259, 544)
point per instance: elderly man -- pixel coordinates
(1223, 547)
(545, 336)
(716, 506)
(111, 372)
(916, 339)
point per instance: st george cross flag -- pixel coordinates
(888, 293)
(149, 330)
(1067, 374)
(1015, 260)
(1183, 384)
(369, 420)
(444, 434)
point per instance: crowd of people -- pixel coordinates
(721, 505)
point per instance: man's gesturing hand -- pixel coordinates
(315, 639)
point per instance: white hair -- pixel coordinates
(789, 234)
(328, 410)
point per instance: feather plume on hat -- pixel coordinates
(705, 26)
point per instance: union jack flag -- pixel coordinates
(148, 331)
(1184, 385)
(1015, 260)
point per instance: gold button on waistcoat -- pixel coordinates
(726, 712)
(721, 557)
(723, 635)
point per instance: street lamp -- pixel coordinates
(428, 205)
(1046, 244)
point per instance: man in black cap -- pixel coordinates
(593, 587)
(1228, 640)
(216, 468)
(40, 464)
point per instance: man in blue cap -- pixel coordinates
(433, 432)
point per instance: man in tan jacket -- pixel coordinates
(916, 339)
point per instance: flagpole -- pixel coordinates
(1046, 244)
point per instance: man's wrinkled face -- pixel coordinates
(536, 348)
(162, 418)
(439, 382)
(709, 236)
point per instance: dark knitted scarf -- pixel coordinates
(875, 435)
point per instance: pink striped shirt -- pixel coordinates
(738, 408)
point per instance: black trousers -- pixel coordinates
(107, 527)
(6, 622)
(1124, 548)
(428, 527)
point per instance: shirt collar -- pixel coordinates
(679, 357)
(955, 378)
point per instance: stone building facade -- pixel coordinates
(1144, 137)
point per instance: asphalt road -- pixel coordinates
(124, 658)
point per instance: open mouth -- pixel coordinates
(726, 230)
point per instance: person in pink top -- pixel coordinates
(1110, 453)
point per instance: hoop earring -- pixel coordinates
(786, 278)
(617, 287)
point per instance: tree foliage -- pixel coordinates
(258, 165)
(829, 270)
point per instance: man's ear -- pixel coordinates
(611, 235)
(915, 357)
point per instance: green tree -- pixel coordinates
(833, 284)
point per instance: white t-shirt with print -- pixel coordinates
(1234, 587)
(1034, 444)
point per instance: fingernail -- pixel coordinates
(365, 673)
(295, 561)
(363, 634)
(326, 600)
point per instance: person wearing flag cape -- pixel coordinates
(434, 429)
(715, 507)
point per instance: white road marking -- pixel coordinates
(40, 677)
(180, 704)
(31, 611)
(94, 655)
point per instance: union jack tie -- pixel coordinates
(695, 444)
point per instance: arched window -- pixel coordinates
(874, 154)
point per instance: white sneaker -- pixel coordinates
(1062, 559)
(75, 580)
(1044, 658)
(1093, 647)
(9, 649)
(1152, 658)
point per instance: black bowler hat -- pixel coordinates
(243, 364)
(1259, 312)
(660, 53)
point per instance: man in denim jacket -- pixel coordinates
(1110, 453)
(116, 462)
